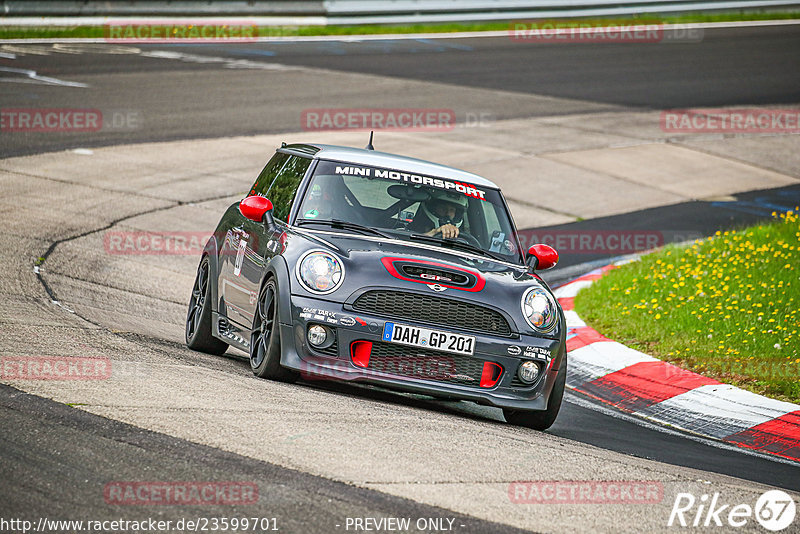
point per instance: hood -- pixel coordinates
(419, 267)
(357, 247)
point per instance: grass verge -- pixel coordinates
(725, 307)
(9, 31)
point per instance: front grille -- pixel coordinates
(333, 350)
(517, 383)
(422, 364)
(433, 310)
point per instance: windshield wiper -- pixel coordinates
(336, 223)
(457, 244)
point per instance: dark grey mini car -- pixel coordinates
(353, 264)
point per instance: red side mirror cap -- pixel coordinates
(255, 207)
(546, 256)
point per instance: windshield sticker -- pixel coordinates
(439, 183)
(311, 214)
(497, 241)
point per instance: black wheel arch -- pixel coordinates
(212, 251)
(278, 269)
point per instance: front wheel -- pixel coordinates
(265, 339)
(542, 419)
(198, 319)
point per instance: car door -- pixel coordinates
(251, 245)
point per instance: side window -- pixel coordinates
(268, 174)
(282, 190)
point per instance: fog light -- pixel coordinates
(528, 372)
(317, 335)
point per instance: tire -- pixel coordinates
(198, 318)
(265, 339)
(542, 419)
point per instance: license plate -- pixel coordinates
(426, 338)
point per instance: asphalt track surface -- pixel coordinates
(729, 67)
(100, 450)
(176, 98)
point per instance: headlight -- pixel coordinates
(320, 272)
(539, 309)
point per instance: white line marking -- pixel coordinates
(717, 410)
(63, 306)
(32, 77)
(163, 19)
(600, 359)
(230, 63)
(577, 400)
(27, 49)
(571, 290)
(573, 321)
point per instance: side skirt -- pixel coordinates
(230, 333)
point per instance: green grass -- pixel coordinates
(52, 32)
(725, 307)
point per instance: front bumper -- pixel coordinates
(423, 370)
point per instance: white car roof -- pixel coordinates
(374, 158)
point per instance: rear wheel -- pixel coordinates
(265, 339)
(198, 319)
(542, 419)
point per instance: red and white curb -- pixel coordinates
(643, 386)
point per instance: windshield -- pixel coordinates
(409, 206)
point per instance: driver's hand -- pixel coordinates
(448, 231)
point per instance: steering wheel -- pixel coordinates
(467, 238)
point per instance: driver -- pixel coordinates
(325, 199)
(442, 213)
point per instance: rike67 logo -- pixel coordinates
(774, 510)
